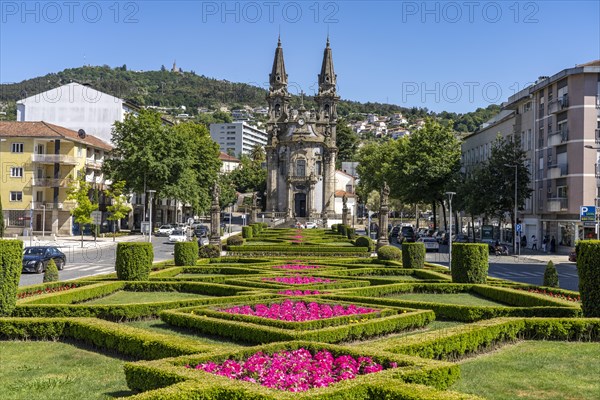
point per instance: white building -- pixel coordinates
(237, 137)
(74, 106)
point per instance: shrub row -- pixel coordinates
(256, 333)
(259, 283)
(76, 295)
(11, 265)
(283, 249)
(588, 268)
(247, 232)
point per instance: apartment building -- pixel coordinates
(39, 160)
(237, 137)
(555, 118)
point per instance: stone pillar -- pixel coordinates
(345, 219)
(328, 184)
(272, 168)
(290, 200)
(215, 218)
(382, 239)
(253, 214)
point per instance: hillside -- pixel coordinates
(168, 89)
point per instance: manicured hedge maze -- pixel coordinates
(302, 296)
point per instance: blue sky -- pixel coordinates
(453, 56)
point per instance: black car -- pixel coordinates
(201, 230)
(407, 234)
(35, 259)
(395, 232)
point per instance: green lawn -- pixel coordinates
(381, 341)
(463, 299)
(156, 325)
(124, 297)
(534, 370)
(396, 277)
(54, 370)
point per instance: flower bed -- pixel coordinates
(298, 311)
(296, 267)
(295, 371)
(556, 295)
(47, 290)
(299, 292)
(298, 280)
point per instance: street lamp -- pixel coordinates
(151, 193)
(450, 194)
(517, 243)
(587, 146)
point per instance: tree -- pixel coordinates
(228, 193)
(1, 220)
(257, 153)
(118, 208)
(222, 117)
(79, 192)
(346, 141)
(374, 161)
(249, 177)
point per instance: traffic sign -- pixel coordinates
(519, 227)
(587, 215)
(97, 217)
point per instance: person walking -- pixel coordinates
(533, 242)
(553, 245)
(545, 244)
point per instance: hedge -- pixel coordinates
(469, 262)
(134, 261)
(209, 251)
(235, 240)
(255, 229)
(588, 268)
(247, 232)
(389, 253)
(351, 232)
(364, 241)
(413, 255)
(11, 265)
(186, 253)
(550, 275)
(51, 272)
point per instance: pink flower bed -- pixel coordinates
(296, 267)
(297, 280)
(298, 311)
(299, 292)
(294, 371)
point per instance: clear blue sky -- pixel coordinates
(453, 56)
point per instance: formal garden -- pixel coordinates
(302, 314)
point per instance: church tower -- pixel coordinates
(301, 150)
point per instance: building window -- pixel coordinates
(349, 188)
(17, 147)
(16, 196)
(301, 168)
(16, 217)
(527, 107)
(319, 170)
(16, 172)
(282, 170)
(529, 139)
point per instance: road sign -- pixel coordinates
(97, 217)
(587, 215)
(519, 227)
(145, 228)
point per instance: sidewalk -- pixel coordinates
(75, 241)
(560, 257)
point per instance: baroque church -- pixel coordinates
(301, 148)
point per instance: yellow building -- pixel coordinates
(38, 161)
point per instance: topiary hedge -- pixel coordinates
(209, 251)
(235, 240)
(134, 261)
(351, 232)
(469, 262)
(11, 265)
(413, 255)
(389, 253)
(186, 253)
(550, 275)
(51, 272)
(364, 241)
(247, 232)
(255, 229)
(334, 227)
(588, 268)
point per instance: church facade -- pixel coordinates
(301, 147)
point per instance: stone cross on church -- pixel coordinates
(301, 149)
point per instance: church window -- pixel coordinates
(301, 168)
(282, 170)
(319, 171)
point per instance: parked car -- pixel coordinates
(165, 230)
(178, 235)
(201, 230)
(310, 225)
(573, 256)
(35, 259)
(203, 241)
(395, 232)
(460, 238)
(407, 233)
(430, 243)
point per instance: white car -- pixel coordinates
(164, 230)
(430, 243)
(178, 236)
(310, 225)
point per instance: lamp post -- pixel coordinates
(597, 173)
(44, 221)
(450, 194)
(517, 243)
(151, 193)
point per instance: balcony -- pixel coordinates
(557, 204)
(48, 205)
(558, 137)
(557, 170)
(93, 163)
(558, 105)
(53, 159)
(50, 183)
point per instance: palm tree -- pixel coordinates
(257, 154)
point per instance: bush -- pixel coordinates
(351, 232)
(550, 275)
(134, 261)
(209, 251)
(186, 253)
(469, 262)
(364, 241)
(334, 228)
(413, 255)
(11, 265)
(51, 272)
(389, 253)
(247, 232)
(342, 230)
(255, 229)
(235, 240)
(588, 268)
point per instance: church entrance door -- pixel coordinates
(300, 205)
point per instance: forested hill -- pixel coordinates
(164, 88)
